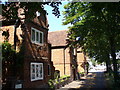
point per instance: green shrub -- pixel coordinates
(51, 84)
(81, 73)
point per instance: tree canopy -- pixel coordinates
(10, 9)
(94, 23)
(98, 27)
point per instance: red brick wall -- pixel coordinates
(33, 54)
(11, 29)
(11, 33)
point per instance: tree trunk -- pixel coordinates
(114, 60)
(108, 64)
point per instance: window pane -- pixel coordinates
(33, 35)
(37, 36)
(41, 71)
(41, 37)
(33, 68)
(33, 76)
(37, 71)
(32, 71)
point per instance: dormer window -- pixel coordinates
(36, 36)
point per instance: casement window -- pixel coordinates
(37, 36)
(36, 71)
(49, 70)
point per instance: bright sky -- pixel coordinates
(54, 22)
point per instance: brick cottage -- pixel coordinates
(37, 66)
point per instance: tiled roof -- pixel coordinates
(57, 38)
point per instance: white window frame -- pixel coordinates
(35, 73)
(37, 42)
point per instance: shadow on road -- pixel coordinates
(93, 81)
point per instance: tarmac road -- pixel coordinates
(93, 81)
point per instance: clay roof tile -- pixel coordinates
(57, 38)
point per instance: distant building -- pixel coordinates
(67, 60)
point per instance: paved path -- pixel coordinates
(93, 81)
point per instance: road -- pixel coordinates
(93, 81)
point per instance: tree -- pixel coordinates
(98, 26)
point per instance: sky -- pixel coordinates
(55, 23)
